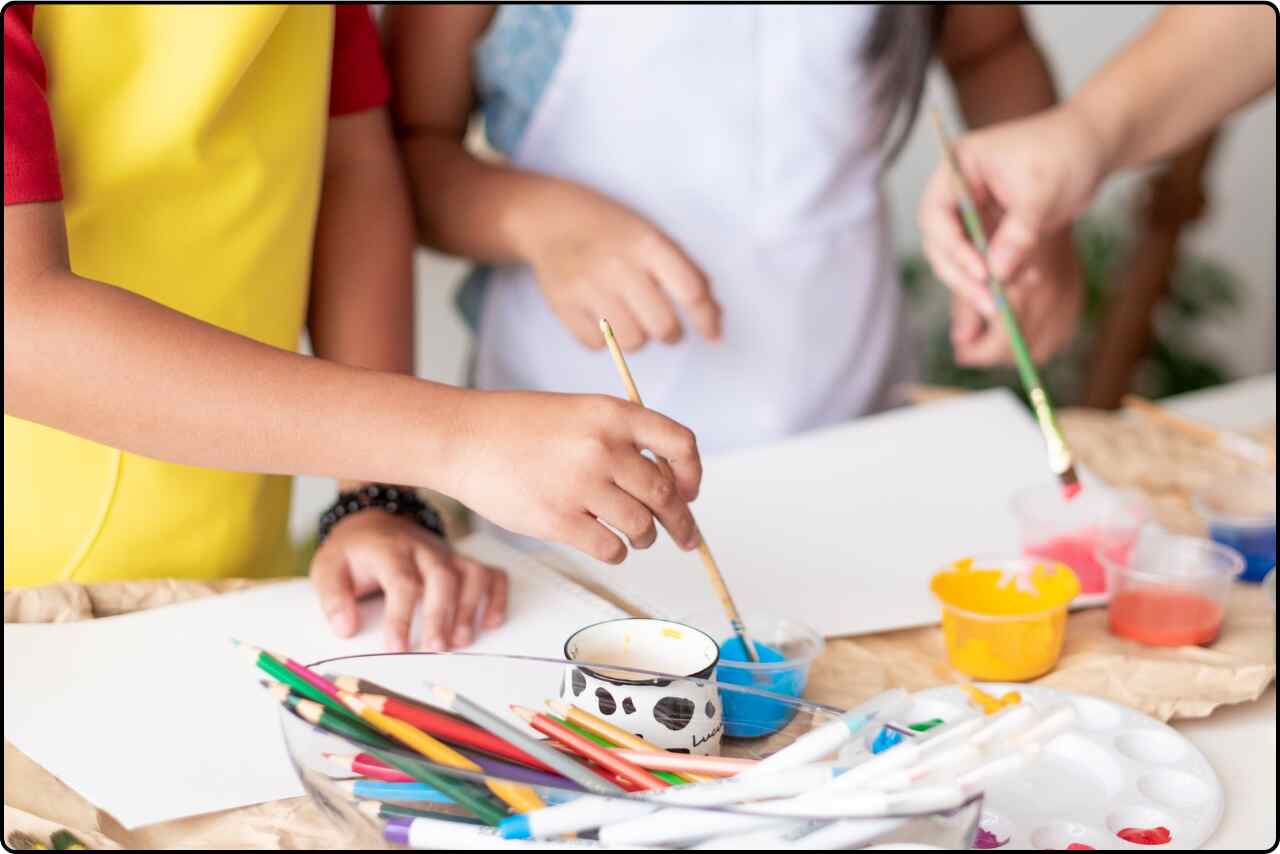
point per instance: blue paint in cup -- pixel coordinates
(1241, 514)
(753, 715)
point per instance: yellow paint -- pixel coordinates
(674, 634)
(1003, 625)
(989, 703)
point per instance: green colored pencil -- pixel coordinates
(467, 795)
(318, 715)
(273, 667)
(1059, 454)
(667, 776)
(65, 840)
(385, 810)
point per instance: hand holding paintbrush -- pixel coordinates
(704, 551)
(1060, 460)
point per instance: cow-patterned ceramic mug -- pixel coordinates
(679, 714)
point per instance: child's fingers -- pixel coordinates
(587, 535)
(476, 579)
(331, 578)
(400, 588)
(581, 322)
(688, 286)
(495, 606)
(673, 442)
(654, 494)
(439, 599)
(624, 513)
(951, 272)
(625, 327)
(652, 308)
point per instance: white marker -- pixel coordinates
(852, 833)
(1056, 718)
(979, 777)
(1005, 723)
(830, 737)
(680, 826)
(922, 799)
(586, 813)
(442, 835)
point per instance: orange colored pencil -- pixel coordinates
(588, 749)
(713, 766)
(618, 736)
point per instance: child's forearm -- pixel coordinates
(360, 311)
(114, 367)
(1193, 67)
(489, 212)
(995, 66)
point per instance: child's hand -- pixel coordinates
(557, 466)
(1046, 297)
(594, 258)
(374, 550)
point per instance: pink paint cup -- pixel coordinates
(1073, 531)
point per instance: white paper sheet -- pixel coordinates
(842, 528)
(155, 716)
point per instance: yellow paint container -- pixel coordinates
(1004, 619)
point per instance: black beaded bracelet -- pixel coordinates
(396, 500)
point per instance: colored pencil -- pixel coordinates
(518, 796)
(588, 749)
(467, 794)
(704, 551)
(320, 716)
(273, 667)
(20, 840)
(363, 763)
(449, 699)
(368, 766)
(710, 766)
(449, 728)
(666, 777)
(1060, 460)
(384, 810)
(377, 790)
(617, 735)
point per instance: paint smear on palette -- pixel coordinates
(1080, 846)
(989, 703)
(1146, 835)
(885, 739)
(985, 840)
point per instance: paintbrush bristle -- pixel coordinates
(1070, 483)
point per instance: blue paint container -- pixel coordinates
(1241, 514)
(786, 649)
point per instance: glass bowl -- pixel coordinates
(529, 682)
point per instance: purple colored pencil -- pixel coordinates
(517, 773)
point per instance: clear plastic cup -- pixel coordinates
(786, 647)
(1170, 590)
(1070, 531)
(1241, 513)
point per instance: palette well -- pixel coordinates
(1112, 775)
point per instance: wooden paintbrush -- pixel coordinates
(1239, 444)
(704, 551)
(1059, 454)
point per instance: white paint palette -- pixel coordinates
(1114, 768)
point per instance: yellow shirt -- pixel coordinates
(191, 143)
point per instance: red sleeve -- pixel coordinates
(359, 76)
(30, 156)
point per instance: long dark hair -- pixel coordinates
(898, 49)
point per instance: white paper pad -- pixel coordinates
(155, 716)
(842, 528)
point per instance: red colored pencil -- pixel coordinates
(451, 729)
(369, 766)
(589, 749)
